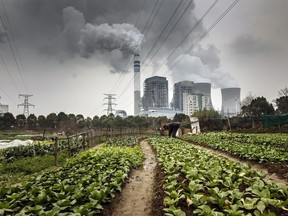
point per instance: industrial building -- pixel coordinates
(160, 111)
(155, 92)
(205, 89)
(195, 102)
(179, 89)
(3, 109)
(190, 88)
(230, 101)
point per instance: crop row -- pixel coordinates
(79, 188)
(275, 140)
(123, 141)
(197, 182)
(248, 150)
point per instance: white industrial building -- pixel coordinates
(195, 102)
(3, 109)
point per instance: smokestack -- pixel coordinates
(136, 84)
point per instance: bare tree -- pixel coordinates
(247, 100)
(283, 92)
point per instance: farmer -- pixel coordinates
(172, 128)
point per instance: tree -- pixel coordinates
(282, 104)
(206, 114)
(247, 100)
(21, 120)
(181, 117)
(260, 106)
(31, 121)
(51, 120)
(7, 121)
(80, 120)
(42, 121)
(96, 121)
(72, 118)
(61, 117)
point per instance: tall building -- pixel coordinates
(205, 88)
(179, 89)
(230, 101)
(195, 102)
(155, 92)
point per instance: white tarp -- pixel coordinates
(7, 144)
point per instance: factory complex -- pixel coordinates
(188, 96)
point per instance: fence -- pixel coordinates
(84, 140)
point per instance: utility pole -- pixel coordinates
(109, 103)
(26, 104)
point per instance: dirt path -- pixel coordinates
(137, 194)
(255, 166)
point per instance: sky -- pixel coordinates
(68, 54)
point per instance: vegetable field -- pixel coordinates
(197, 182)
(192, 182)
(79, 188)
(257, 147)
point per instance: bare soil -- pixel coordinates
(135, 198)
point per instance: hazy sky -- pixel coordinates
(68, 54)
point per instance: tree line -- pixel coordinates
(71, 123)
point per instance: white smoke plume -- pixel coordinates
(124, 37)
(88, 39)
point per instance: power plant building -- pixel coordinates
(190, 88)
(205, 88)
(3, 109)
(179, 89)
(230, 101)
(155, 92)
(195, 102)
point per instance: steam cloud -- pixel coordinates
(64, 29)
(124, 37)
(88, 39)
(203, 66)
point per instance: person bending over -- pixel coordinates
(172, 128)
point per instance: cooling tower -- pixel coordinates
(230, 101)
(204, 88)
(136, 84)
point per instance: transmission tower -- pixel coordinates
(109, 103)
(26, 104)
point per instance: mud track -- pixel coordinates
(137, 194)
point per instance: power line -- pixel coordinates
(205, 33)
(8, 96)
(186, 36)
(167, 35)
(12, 50)
(9, 73)
(147, 27)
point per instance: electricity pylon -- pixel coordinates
(26, 104)
(109, 103)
